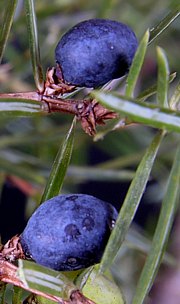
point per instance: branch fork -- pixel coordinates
(88, 111)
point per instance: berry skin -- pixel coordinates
(68, 232)
(96, 51)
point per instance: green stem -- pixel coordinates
(164, 23)
(60, 165)
(163, 78)
(168, 209)
(140, 112)
(2, 292)
(6, 25)
(17, 295)
(34, 45)
(131, 203)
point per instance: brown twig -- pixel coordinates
(8, 274)
(88, 111)
(22, 95)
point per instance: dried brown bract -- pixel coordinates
(91, 113)
(54, 84)
(12, 250)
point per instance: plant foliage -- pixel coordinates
(147, 126)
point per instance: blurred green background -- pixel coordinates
(28, 145)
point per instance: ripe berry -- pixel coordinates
(68, 232)
(96, 51)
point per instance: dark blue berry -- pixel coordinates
(68, 232)
(96, 51)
